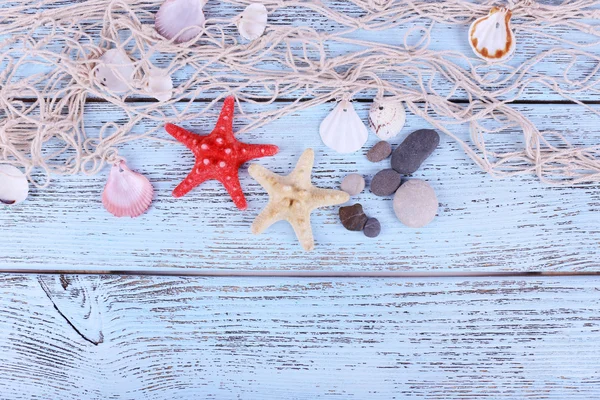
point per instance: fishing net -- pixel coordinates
(49, 51)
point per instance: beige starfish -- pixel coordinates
(293, 197)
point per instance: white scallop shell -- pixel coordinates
(252, 22)
(14, 187)
(491, 37)
(180, 19)
(387, 117)
(343, 130)
(115, 69)
(127, 193)
(160, 84)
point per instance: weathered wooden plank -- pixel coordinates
(483, 223)
(272, 338)
(443, 38)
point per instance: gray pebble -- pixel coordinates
(385, 182)
(410, 154)
(372, 228)
(353, 217)
(353, 184)
(415, 203)
(379, 152)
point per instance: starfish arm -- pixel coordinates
(225, 122)
(266, 178)
(194, 178)
(303, 230)
(266, 218)
(234, 188)
(189, 139)
(252, 151)
(328, 197)
(303, 170)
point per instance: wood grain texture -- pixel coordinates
(272, 338)
(443, 38)
(483, 223)
(109, 337)
(75, 300)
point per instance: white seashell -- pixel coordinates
(387, 117)
(127, 193)
(180, 19)
(14, 187)
(343, 130)
(160, 84)
(491, 37)
(115, 69)
(253, 21)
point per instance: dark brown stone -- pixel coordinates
(353, 217)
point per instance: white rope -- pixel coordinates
(63, 40)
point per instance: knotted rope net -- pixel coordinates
(49, 51)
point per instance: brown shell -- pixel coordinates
(484, 52)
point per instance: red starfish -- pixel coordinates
(219, 155)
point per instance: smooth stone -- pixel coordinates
(353, 217)
(372, 228)
(379, 152)
(385, 182)
(415, 203)
(410, 154)
(353, 184)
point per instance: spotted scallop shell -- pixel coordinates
(491, 37)
(127, 193)
(343, 130)
(387, 117)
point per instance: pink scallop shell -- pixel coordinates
(127, 193)
(180, 18)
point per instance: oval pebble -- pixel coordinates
(410, 154)
(415, 203)
(353, 184)
(372, 228)
(353, 217)
(379, 152)
(385, 182)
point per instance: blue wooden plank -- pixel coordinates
(526, 224)
(444, 38)
(483, 224)
(269, 338)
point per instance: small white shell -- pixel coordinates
(491, 37)
(175, 16)
(115, 69)
(14, 187)
(342, 130)
(252, 21)
(160, 84)
(387, 117)
(127, 193)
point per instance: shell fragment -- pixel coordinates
(14, 187)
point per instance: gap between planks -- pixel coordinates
(288, 100)
(297, 274)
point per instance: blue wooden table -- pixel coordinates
(256, 317)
